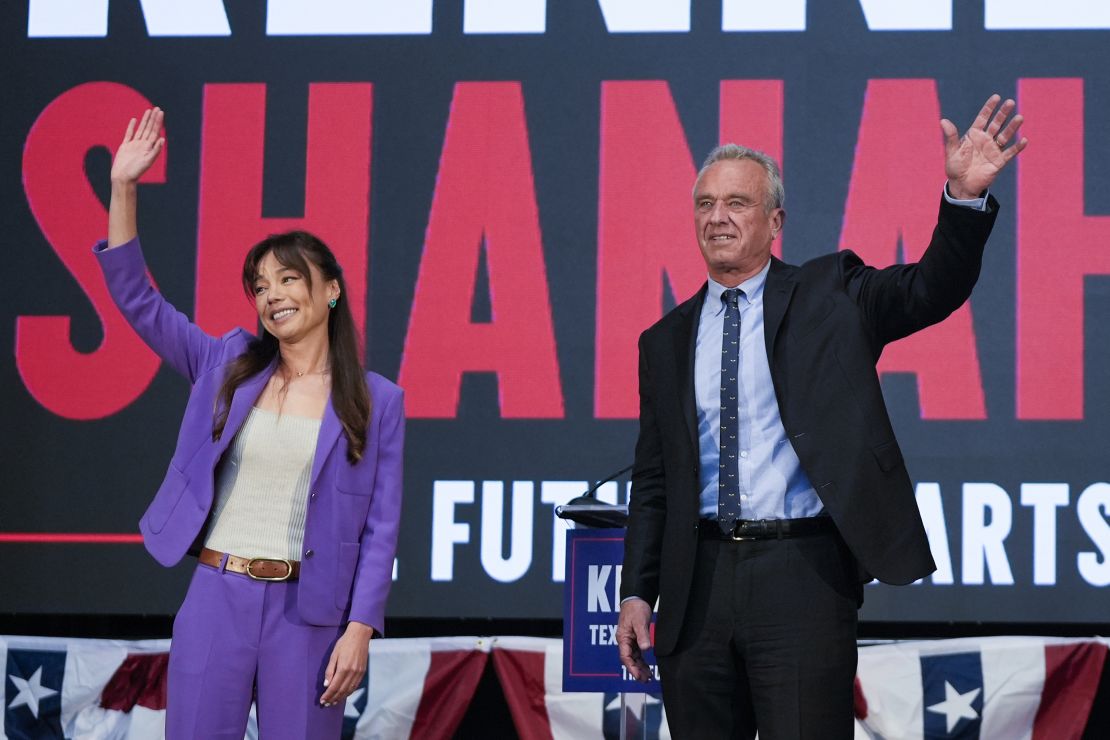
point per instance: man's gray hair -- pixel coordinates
(776, 194)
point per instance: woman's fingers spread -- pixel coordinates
(144, 124)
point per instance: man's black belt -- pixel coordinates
(765, 529)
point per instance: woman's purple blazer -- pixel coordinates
(350, 535)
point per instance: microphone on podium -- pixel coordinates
(586, 510)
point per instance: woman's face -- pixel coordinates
(290, 309)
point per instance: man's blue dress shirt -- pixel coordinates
(772, 482)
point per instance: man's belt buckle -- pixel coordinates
(735, 535)
(285, 577)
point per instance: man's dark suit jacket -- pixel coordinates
(826, 323)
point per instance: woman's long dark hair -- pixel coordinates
(349, 394)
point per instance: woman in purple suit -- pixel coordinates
(286, 482)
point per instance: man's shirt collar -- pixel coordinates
(752, 290)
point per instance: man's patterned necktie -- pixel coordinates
(728, 489)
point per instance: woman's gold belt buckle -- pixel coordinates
(284, 577)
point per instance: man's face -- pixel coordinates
(734, 228)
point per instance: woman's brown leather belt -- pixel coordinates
(260, 569)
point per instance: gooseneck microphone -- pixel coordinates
(587, 511)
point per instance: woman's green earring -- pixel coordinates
(332, 303)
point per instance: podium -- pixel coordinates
(591, 605)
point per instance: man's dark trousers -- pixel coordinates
(772, 616)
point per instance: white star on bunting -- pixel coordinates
(956, 706)
(30, 692)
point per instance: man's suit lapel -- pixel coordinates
(777, 293)
(685, 341)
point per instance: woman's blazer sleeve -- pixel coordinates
(378, 545)
(164, 329)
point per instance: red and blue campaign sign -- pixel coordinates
(591, 605)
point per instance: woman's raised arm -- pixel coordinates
(141, 145)
(166, 330)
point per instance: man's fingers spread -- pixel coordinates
(951, 134)
(1011, 128)
(985, 112)
(1000, 116)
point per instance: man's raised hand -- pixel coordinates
(973, 161)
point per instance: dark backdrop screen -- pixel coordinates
(507, 183)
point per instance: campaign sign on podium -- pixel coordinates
(591, 605)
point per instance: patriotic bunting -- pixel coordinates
(1005, 687)
(1013, 688)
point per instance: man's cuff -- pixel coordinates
(630, 598)
(976, 204)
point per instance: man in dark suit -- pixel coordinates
(768, 484)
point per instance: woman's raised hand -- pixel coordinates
(141, 145)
